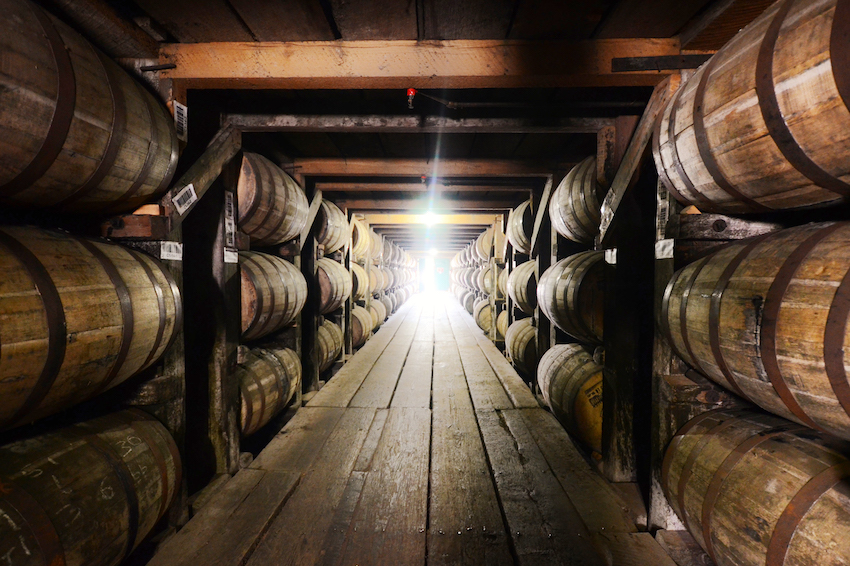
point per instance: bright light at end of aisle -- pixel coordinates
(433, 251)
(428, 274)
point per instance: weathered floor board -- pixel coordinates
(425, 449)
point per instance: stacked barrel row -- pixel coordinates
(78, 316)
(570, 294)
(474, 278)
(767, 317)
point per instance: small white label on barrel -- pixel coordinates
(231, 256)
(664, 249)
(611, 256)
(171, 250)
(184, 199)
(181, 121)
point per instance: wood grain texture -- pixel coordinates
(294, 20)
(575, 207)
(198, 20)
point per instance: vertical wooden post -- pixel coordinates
(310, 316)
(213, 315)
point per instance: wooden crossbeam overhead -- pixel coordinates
(420, 204)
(365, 167)
(402, 64)
(385, 220)
(417, 187)
(413, 124)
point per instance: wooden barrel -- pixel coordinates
(328, 343)
(388, 304)
(334, 283)
(571, 384)
(502, 324)
(570, 294)
(575, 207)
(379, 313)
(359, 282)
(521, 343)
(332, 229)
(361, 325)
(273, 293)
(502, 282)
(78, 317)
(360, 239)
(469, 301)
(483, 247)
(522, 286)
(483, 314)
(272, 207)
(484, 281)
(87, 494)
(78, 133)
(764, 124)
(766, 318)
(377, 280)
(520, 226)
(268, 380)
(755, 489)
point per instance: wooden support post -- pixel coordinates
(213, 331)
(628, 337)
(310, 316)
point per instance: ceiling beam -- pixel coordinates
(413, 124)
(409, 219)
(422, 204)
(404, 63)
(360, 167)
(417, 187)
(704, 19)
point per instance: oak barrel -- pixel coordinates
(329, 344)
(388, 304)
(379, 313)
(272, 207)
(502, 324)
(522, 286)
(359, 282)
(570, 294)
(520, 225)
(268, 379)
(502, 282)
(273, 293)
(764, 124)
(483, 247)
(360, 239)
(766, 318)
(468, 301)
(87, 494)
(361, 325)
(78, 316)
(521, 343)
(575, 206)
(332, 229)
(334, 283)
(757, 490)
(76, 131)
(483, 314)
(571, 384)
(484, 282)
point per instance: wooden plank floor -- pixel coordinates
(426, 448)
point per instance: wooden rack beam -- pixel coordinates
(403, 64)
(365, 167)
(418, 187)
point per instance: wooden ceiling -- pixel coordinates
(510, 91)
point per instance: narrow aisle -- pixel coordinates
(425, 448)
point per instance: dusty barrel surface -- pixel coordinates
(520, 225)
(273, 293)
(575, 207)
(767, 318)
(87, 494)
(571, 383)
(268, 379)
(502, 324)
(388, 304)
(521, 342)
(272, 207)
(334, 283)
(78, 316)
(329, 341)
(468, 301)
(76, 131)
(379, 313)
(755, 489)
(482, 312)
(502, 282)
(359, 282)
(764, 124)
(570, 294)
(361, 325)
(333, 229)
(522, 286)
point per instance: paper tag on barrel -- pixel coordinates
(231, 256)
(171, 251)
(664, 249)
(184, 199)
